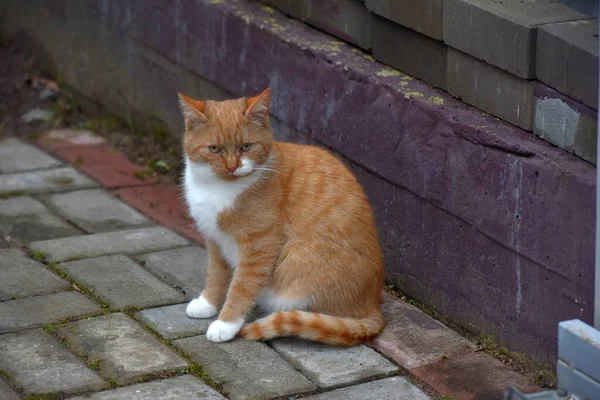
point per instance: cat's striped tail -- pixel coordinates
(313, 326)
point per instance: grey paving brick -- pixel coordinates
(96, 210)
(21, 277)
(181, 387)
(330, 366)
(6, 391)
(567, 59)
(16, 156)
(27, 220)
(37, 363)
(36, 311)
(184, 268)
(423, 16)
(502, 33)
(565, 122)
(99, 244)
(412, 338)
(121, 282)
(410, 52)
(259, 372)
(346, 19)
(385, 389)
(124, 350)
(51, 180)
(172, 322)
(490, 89)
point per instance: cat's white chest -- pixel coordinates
(207, 196)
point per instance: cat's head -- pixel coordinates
(229, 138)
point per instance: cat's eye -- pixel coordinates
(214, 149)
(246, 146)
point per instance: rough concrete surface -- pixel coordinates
(121, 282)
(172, 322)
(52, 180)
(16, 156)
(386, 389)
(260, 372)
(37, 363)
(129, 241)
(124, 350)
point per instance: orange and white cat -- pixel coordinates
(287, 226)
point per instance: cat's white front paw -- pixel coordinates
(221, 331)
(200, 308)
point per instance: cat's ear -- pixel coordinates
(192, 112)
(258, 108)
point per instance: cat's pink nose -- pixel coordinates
(231, 169)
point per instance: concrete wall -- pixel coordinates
(489, 225)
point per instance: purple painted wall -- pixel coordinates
(480, 220)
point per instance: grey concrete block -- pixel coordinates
(100, 244)
(329, 366)
(36, 311)
(6, 392)
(16, 156)
(410, 52)
(579, 346)
(412, 338)
(423, 16)
(180, 387)
(37, 363)
(172, 322)
(501, 33)
(348, 20)
(247, 369)
(27, 220)
(574, 381)
(567, 59)
(121, 282)
(21, 277)
(124, 350)
(184, 268)
(52, 180)
(96, 210)
(385, 389)
(565, 123)
(490, 89)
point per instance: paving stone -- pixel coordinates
(107, 166)
(412, 338)
(27, 220)
(16, 156)
(184, 268)
(99, 244)
(472, 376)
(502, 33)
(567, 59)
(348, 20)
(52, 180)
(259, 371)
(410, 52)
(6, 392)
(96, 210)
(565, 122)
(124, 350)
(37, 363)
(181, 387)
(23, 277)
(57, 138)
(36, 311)
(172, 322)
(163, 203)
(121, 282)
(385, 389)
(423, 16)
(330, 366)
(490, 89)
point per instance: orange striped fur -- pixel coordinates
(303, 240)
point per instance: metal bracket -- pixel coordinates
(512, 393)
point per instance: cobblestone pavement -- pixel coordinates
(93, 292)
